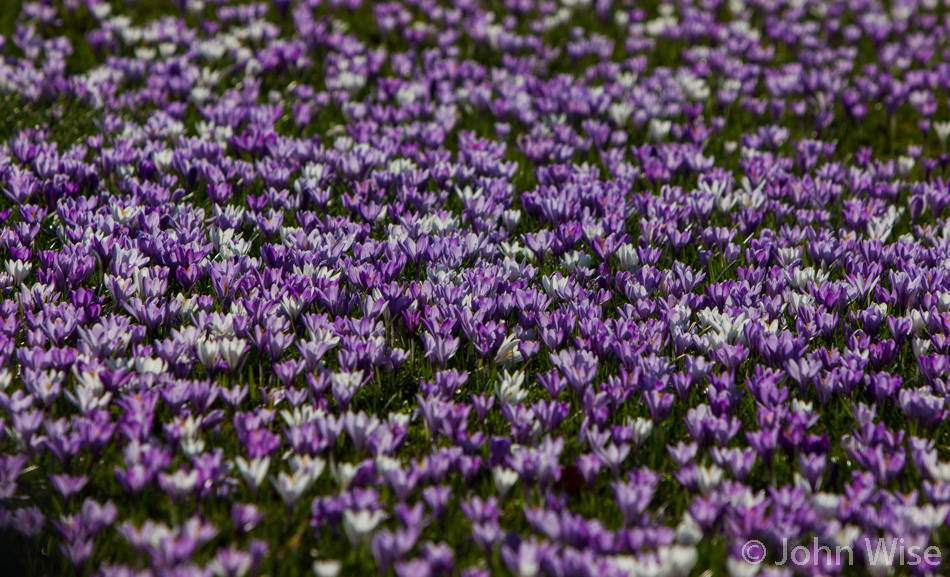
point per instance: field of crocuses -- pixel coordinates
(573, 288)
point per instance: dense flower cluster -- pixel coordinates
(430, 287)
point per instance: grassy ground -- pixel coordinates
(71, 122)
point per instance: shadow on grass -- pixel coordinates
(13, 555)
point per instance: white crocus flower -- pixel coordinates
(180, 483)
(292, 486)
(504, 479)
(360, 525)
(254, 471)
(19, 270)
(508, 353)
(508, 388)
(326, 568)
